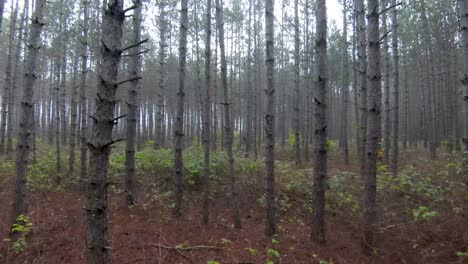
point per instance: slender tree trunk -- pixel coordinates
(179, 123)
(345, 85)
(135, 72)
(320, 133)
(27, 114)
(296, 107)
(103, 118)
(74, 118)
(207, 115)
(464, 29)
(270, 225)
(159, 142)
(374, 127)
(83, 100)
(227, 116)
(386, 83)
(396, 94)
(362, 61)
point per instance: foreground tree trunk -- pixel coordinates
(362, 62)
(73, 121)
(374, 127)
(207, 116)
(227, 116)
(179, 122)
(396, 92)
(83, 104)
(160, 133)
(24, 147)
(270, 224)
(135, 72)
(297, 100)
(464, 29)
(345, 93)
(100, 146)
(320, 133)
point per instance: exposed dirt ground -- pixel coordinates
(150, 234)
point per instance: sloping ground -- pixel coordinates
(149, 234)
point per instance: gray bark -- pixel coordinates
(83, 100)
(396, 94)
(362, 61)
(227, 116)
(345, 86)
(73, 120)
(103, 123)
(320, 129)
(179, 122)
(207, 115)
(270, 224)
(160, 133)
(24, 147)
(296, 106)
(135, 72)
(374, 127)
(464, 29)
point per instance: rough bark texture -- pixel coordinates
(227, 116)
(270, 224)
(160, 133)
(396, 92)
(73, 120)
(135, 72)
(374, 127)
(179, 122)
(386, 84)
(320, 128)
(100, 146)
(464, 29)
(83, 104)
(207, 116)
(345, 86)
(297, 100)
(23, 147)
(362, 61)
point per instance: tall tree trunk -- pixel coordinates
(320, 133)
(159, 142)
(396, 92)
(135, 72)
(270, 225)
(179, 123)
(207, 115)
(83, 100)
(374, 127)
(362, 61)
(464, 29)
(27, 114)
(227, 116)
(345, 86)
(297, 145)
(100, 146)
(386, 83)
(74, 118)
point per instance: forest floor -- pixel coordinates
(148, 233)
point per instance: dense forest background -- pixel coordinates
(242, 131)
